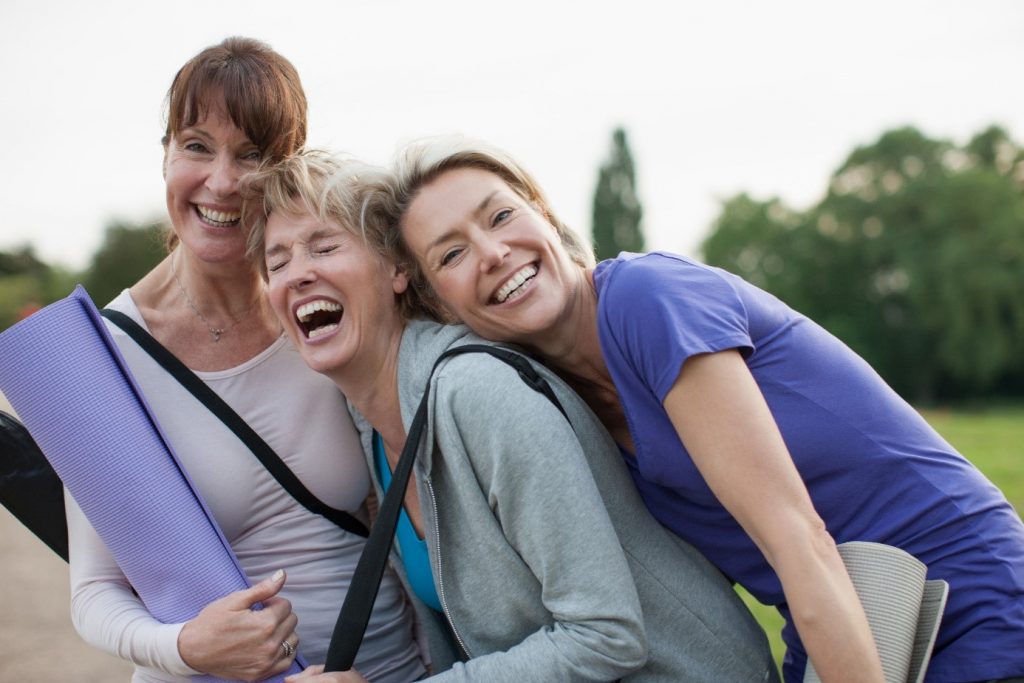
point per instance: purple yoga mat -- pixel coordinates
(66, 379)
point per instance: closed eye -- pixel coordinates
(275, 265)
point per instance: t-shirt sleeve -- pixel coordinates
(657, 310)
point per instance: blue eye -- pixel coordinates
(194, 147)
(450, 256)
(502, 216)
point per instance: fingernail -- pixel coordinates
(278, 575)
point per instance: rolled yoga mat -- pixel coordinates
(63, 374)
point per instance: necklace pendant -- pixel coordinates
(216, 334)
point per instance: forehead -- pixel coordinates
(296, 225)
(454, 194)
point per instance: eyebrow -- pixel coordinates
(447, 234)
(317, 234)
(273, 251)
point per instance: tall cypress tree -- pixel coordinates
(617, 211)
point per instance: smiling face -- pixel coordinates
(334, 296)
(491, 257)
(202, 165)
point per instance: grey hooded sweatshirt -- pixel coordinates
(546, 562)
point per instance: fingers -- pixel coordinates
(261, 592)
(230, 640)
(306, 675)
(315, 674)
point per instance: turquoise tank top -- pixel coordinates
(413, 548)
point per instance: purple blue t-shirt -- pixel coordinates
(875, 470)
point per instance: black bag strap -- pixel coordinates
(209, 398)
(355, 611)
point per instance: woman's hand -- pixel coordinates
(315, 674)
(230, 640)
(723, 420)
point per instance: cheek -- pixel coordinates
(278, 302)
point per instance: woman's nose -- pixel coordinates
(300, 272)
(223, 178)
(492, 252)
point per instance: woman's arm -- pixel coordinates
(226, 639)
(724, 422)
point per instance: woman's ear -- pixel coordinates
(399, 280)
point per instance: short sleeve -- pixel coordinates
(657, 310)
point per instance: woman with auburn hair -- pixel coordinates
(231, 107)
(749, 430)
(520, 532)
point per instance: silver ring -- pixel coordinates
(289, 649)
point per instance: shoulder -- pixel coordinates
(124, 303)
(632, 278)
(639, 290)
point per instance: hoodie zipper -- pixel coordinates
(440, 577)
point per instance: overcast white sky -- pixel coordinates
(717, 97)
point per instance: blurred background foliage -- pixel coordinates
(128, 252)
(914, 258)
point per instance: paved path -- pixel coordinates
(38, 644)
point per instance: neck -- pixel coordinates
(371, 385)
(571, 347)
(220, 290)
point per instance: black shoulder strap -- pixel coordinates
(209, 398)
(355, 611)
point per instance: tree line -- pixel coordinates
(914, 257)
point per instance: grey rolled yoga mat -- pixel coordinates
(66, 379)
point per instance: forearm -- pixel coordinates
(826, 611)
(541, 658)
(105, 611)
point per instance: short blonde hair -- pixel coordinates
(332, 188)
(422, 162)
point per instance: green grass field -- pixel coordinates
(991, 438)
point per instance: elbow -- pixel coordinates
(802, 543)
(624, 650)
(632, 654)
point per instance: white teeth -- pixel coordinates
(514, 283)
(306, 311)
(320, 331)
(225, 217)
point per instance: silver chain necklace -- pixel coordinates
(215, 332)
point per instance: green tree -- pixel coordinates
(127, 253)
(27, 283)
(617, 213)
(915, 258)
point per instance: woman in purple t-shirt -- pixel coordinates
(750, 431)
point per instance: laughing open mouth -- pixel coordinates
(319, 317)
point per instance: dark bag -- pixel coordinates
(29, 487)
